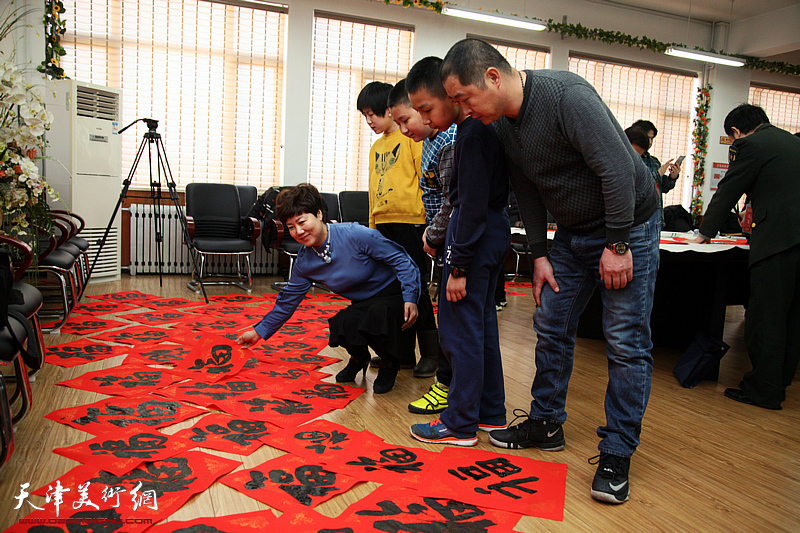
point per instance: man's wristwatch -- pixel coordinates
(458, 272)
(619, 248)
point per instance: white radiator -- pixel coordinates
(175, 255)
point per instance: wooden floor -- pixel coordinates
(706, 463)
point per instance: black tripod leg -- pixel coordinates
(173, 194)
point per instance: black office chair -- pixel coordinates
(521, 248)
(331, 200)
(214, 218)
(354, 207)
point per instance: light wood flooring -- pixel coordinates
(706, 463)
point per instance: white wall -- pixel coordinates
(436, 33)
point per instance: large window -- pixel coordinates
(348, 54)
(782, 107)
(665, 99)
(520, 56)
(211, 73)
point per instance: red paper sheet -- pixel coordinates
(236, 298)
(135, 335)
(158, 318)
(111, 414)
(499, 481)
(156, 354)
(81, 352)
(301, 519)
(227, 433)
(154, 491)
(125, 380)
(126, 297)
(171, 303)
(126, 449)
(212, 324)
(383, 462)
(222, 310)
(322, 441)
(102, 308)
(289, 480)
(254, 522)
(210, 394)
(282, 413)
(265, 372)
(212, 359)
(87, 324)
(390, 508)
(336, 394)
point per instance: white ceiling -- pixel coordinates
(709, 10)
(731, 11)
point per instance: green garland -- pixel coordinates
(54, 28)
(615, 37)
(644, 43)
(700, 140)
(433, 5)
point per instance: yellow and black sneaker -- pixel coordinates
(432, 402)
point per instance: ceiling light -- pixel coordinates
(705, 56)
(494, 18)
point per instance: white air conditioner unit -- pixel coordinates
(84, 163)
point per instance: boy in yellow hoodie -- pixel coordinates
(395, 196)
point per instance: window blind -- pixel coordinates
(348, 54)
(211, 73)
(521, 57)
(782, 107)
(665, 99)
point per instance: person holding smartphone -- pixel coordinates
(641, 135)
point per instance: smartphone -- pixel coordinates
(679, 161)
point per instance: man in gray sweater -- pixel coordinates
(568, 155)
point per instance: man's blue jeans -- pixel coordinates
(626, 324)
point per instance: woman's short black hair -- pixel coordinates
(293, 201)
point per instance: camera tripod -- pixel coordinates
(155, 149)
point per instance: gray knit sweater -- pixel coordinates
(568, 155)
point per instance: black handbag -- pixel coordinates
(700, 358)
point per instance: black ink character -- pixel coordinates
(330, 391)
(218, 363)
(312, 479)
(137, 379)
(400, 460)
(319, 437)
(142, 446)
(452, 516)
(167, 475)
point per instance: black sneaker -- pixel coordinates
(610, 482)
(529, 434)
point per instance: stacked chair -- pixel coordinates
(24, 302)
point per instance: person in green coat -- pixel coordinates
(765, 165)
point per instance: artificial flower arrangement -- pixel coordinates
(23, 122)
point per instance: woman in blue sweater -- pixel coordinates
(375, 274)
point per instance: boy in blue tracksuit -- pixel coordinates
(478, 239)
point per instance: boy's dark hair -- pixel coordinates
(745, 118)
(398, 95)
(638, 136)
(645, 125)
(374, 96)
(426, 74)
(293, 201)
(468, 60)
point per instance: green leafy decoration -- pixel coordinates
(700, 142)
(54, 28)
